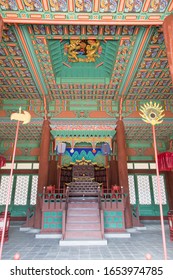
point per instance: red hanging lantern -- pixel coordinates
(1, 27)
(165, 161)
(2, 161)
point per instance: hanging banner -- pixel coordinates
(2, 161)
(165, 161)
(1, 27)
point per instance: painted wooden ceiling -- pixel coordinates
(131, 69)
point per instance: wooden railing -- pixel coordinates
(99, 197)
(113, 201)
(101, 214)
(52, 202)
(83, 188)
(29, 217)
(135, 217)
(102, 223)
(64, 215)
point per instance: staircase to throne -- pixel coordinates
(83, 219)
(82, 214)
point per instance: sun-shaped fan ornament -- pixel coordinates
(152, 113)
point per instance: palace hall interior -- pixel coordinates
(86, 129)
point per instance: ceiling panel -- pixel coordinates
(37, 74)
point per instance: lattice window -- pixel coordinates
(162, 188)
(132, 189)
(21, 190)
(144, 189)
(4, 189)
(33, 197)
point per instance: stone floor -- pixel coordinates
(136, 247)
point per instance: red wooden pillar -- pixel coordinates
(59, 172)
(113, 175)
(43, 168)
(122, 169)
(107, 173)
(52, 174)
(1, 27)
(168, 35)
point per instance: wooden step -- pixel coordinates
(87, 205)
(83, 219)
(82, 212)
(83, 234)
(82, 226)
(83, 198)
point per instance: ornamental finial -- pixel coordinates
(152, 113)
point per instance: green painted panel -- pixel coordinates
(83, 133)
(59, 226)
(137, 144)
(46, 226)
(151, 209)
(140, 158)
(106, 225)
(109, 225)
(51, 214)
(57, 220)
(109, 220)
(119, 225)
(113, 225)
(146, 210)
(119, 213)
(112, 213)
(52, 220)
(113, 219)
(16, 211)
(165, 210)
(53, 226)
(47, 213)
(59, 213)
